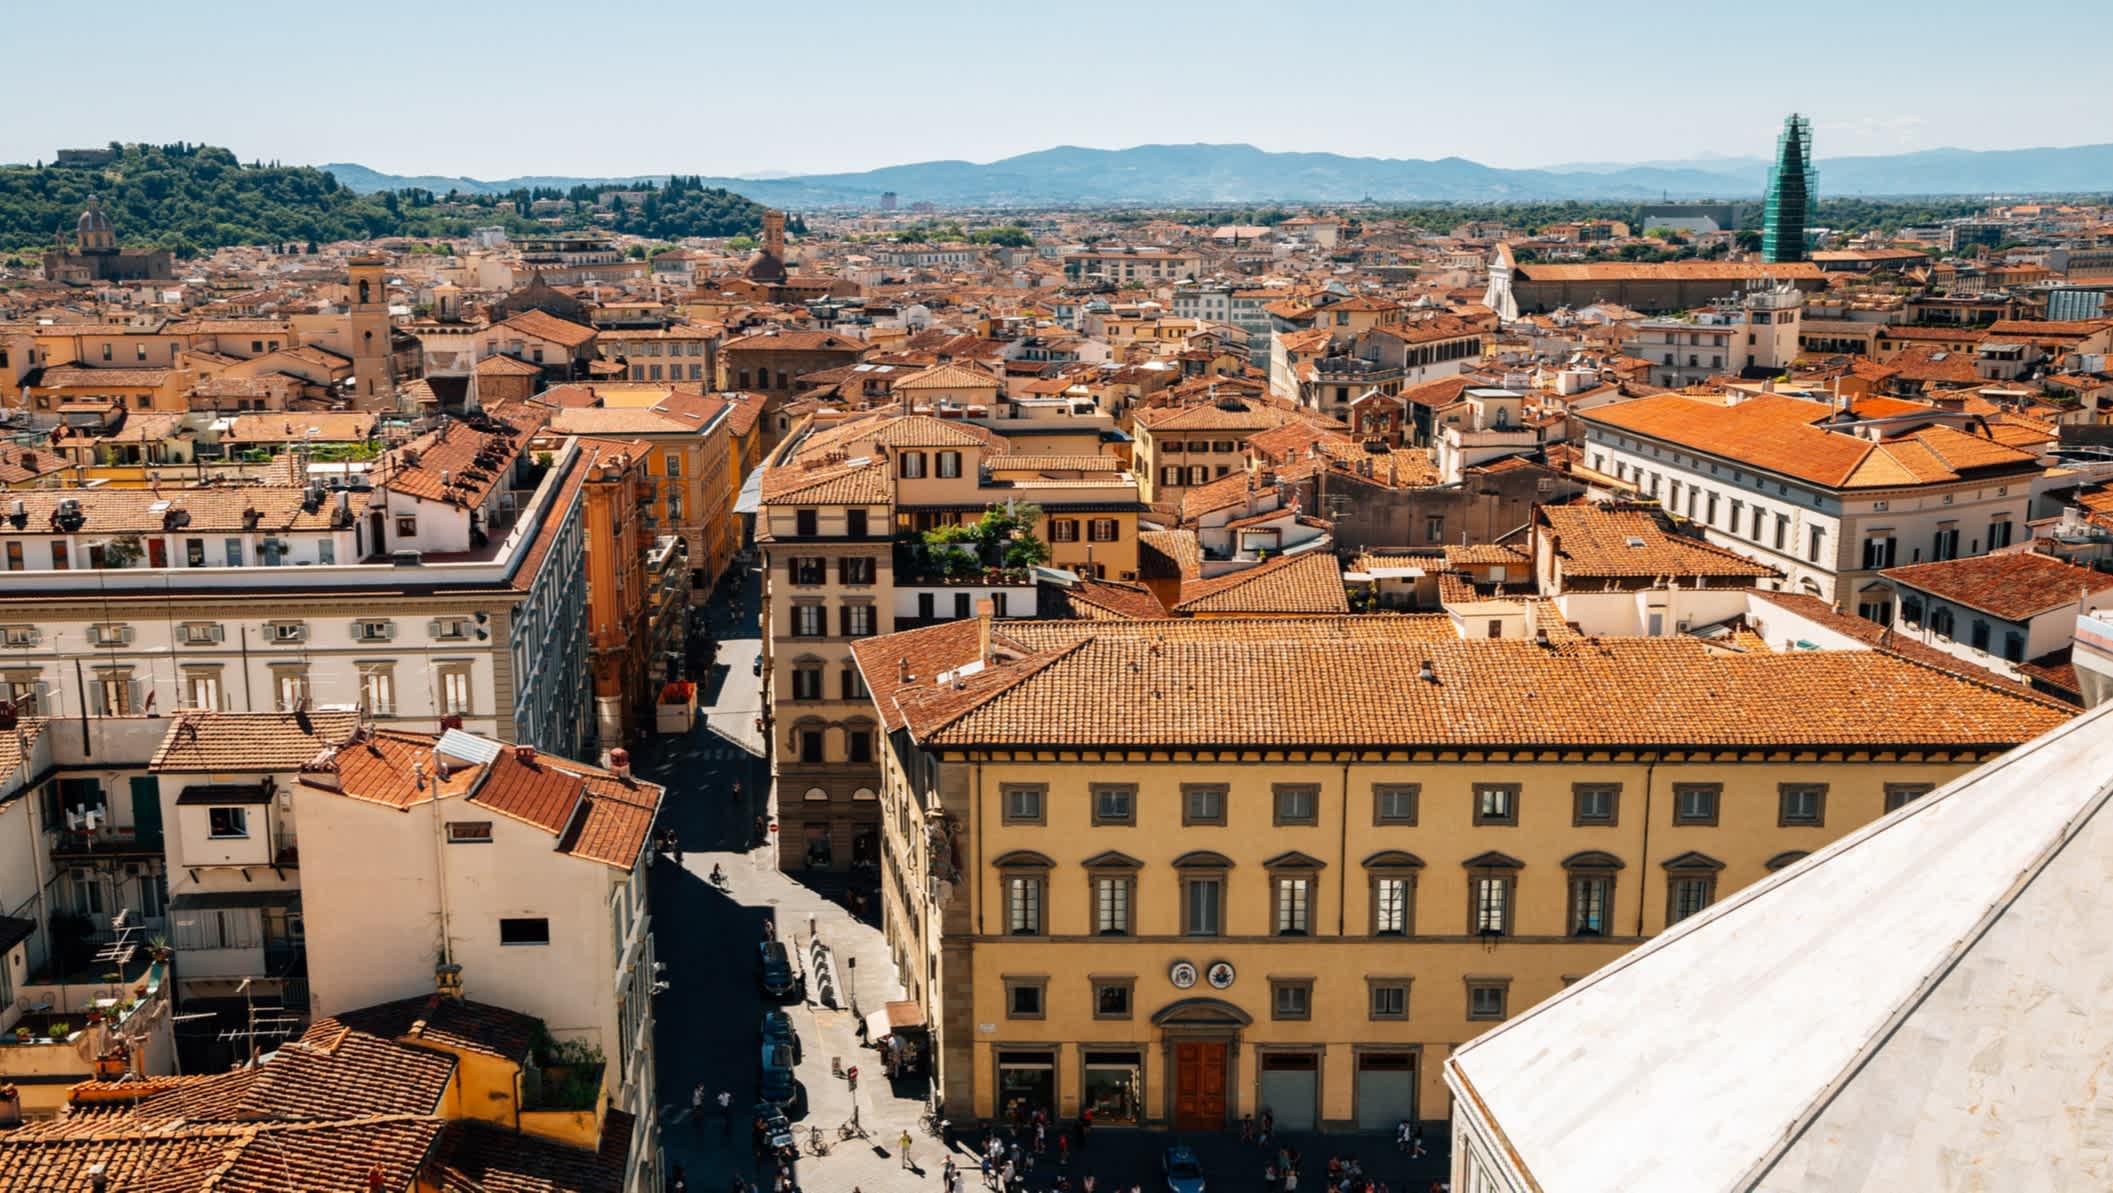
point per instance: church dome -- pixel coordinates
(92, 217)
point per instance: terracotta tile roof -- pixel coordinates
(1168, 554)
(897, 663)
(76, 377)
(1111, 599)
(200, 742)
(619, 420)
(475, 1157)
(1611, 544)
(1883, 640)
(1484, 555)
(458, 464)
(1311, 582)
(947, 376)
(18, 747)
(351, 426)
(471, 1026)
(1227, 414)
(545, 326)
(2015, 586)
(119, 511)
(922, 430)
(1114, 684)
(1778, 434)
(507, 366)
(793, 341)
(1607, 271)
(228, 1158)
(861, 483)
(1053, 464)
(20, 465)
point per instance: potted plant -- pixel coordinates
(59, 1031)
(22, 1034)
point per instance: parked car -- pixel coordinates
(775, 971)
(777, 1029)
(777, 1085)
(1184, 1172)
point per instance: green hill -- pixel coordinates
(195, 198)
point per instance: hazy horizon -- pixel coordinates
(839, 88)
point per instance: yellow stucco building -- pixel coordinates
(1181, 871)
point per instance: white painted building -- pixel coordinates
(1827, 502)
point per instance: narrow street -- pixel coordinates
(710, 1017)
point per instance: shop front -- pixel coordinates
(1113, 1084)
(1026, 1083)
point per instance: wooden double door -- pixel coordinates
(1199, 1085)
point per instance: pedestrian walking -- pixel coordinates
(905, 1145)
(697, 1107)
(677, 1183)
(984, 1164)
(1063, 1150)
(1085, 1125)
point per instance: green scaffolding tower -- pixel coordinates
(1790, 189)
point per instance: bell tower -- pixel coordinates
(373, 370)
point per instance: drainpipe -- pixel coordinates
(1342, 852)
(1641, 880)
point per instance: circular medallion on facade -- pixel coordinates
(1182, 974)
(1219, 974)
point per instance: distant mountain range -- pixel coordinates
(1203, 174)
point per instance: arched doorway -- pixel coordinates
(1201, 1041)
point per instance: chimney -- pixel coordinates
(376, 1180)
(985, 610)
(620, 763)
(1427, 673)
(902, 670)
(526, 755)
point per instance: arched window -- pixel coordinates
(366, 294)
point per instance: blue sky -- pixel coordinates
(617, 86)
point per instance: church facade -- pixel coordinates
(97, 258)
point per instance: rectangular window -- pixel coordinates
(1024, 804)
(1111, 998)
(949, 465)
(1202, 804)
(1390, 998)
(377, 691)
(1594, 803)
(1946, 544)
(1063, 530)
(1590, 898)
(1114, 803)
(1102, 530)
(809, 570)
(469, 832)
(858, 621)
(1489, 898)
(855, 524)
(1390, 906)
(1496, 803)
(1294, 906)
(1111, 906)
(911, 466)
(810, 745)
(1297, 803)
(1394, 803)
(806, 523)
(807, 621)
(854, 684)
(455, 692)
(1688, 894)
(1486, 999)
(1696, 803)
(1289, 999)
(1802, 805)
(1202, 906)
(1023, 905)
(1899, 795)
(1817, 542)
(406, 526)
(1023, 998)
(524, 931)
(858, 743)
(227, 822)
